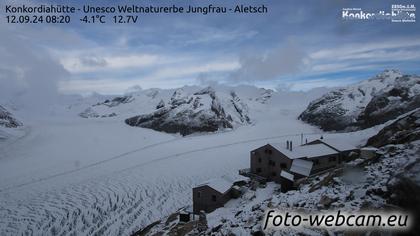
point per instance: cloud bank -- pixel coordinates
(271, 65)
(28, 74)
(299, 45)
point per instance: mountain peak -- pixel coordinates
(366, 104)
(392, 73)
(208, 90)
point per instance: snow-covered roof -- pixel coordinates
(340, 145)
(219, 184)
(287, 175)
(308, 151)
(224, 183)
(301, 167)
(235, 178)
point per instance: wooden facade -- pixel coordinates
(216, 192)
(268, 162)
(208, 199)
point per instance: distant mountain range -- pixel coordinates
(193, 109)
(185, 110)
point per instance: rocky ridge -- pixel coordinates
(203, 111)
(366, 104)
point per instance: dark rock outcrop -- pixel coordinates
(404, 130)
(160, 104)
(240, 107)
(117, 101)
(7, 120)
(325, 113)
(90, 113)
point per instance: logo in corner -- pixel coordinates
(398, 13)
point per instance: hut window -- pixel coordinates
(316, 162)
(273, 174)
(199, 194)
(259, 159)
(258, 170)
(268, 151)
(271, 163)
(283, 166)
(213, 198)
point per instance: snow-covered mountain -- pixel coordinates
(202, 111)
(184, 110)
(7, 119)
(365, 104)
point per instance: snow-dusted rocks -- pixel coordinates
(265, 95)
(402, 97)
(7, 119)
(90, 113)
(202, 111)
(118, 100)
(366, 104)
(240, 107)
(160, 104)
(114, 102)
(404, 130)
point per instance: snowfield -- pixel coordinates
(75, 176)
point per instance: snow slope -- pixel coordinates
(75, 176)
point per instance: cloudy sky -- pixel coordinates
(297, 45)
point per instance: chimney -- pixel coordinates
(322, 137)
(306, 141)
(287, 143)
(291, 146)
